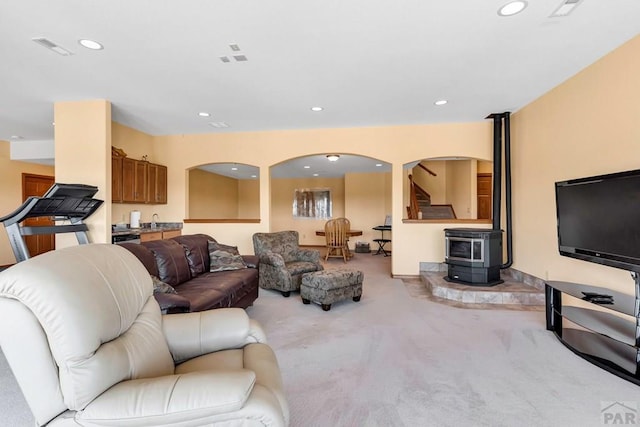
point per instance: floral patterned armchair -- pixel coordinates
(282, 262)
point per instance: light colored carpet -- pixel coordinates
(396, 360)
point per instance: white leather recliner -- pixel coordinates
(88, 345)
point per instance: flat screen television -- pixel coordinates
(599, 219)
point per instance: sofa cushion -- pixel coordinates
(230, 286)
(196, 250)
(145, 256)
(173, 267)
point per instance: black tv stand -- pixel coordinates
(607, 340)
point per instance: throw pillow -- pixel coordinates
(215, 246)
(159, 287)
(224, 261)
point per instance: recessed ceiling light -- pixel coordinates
(565, 8)
(240, 58)
(316, 109)
(315, 174)
(234, 169)
(203, 114)
(90, 44)
(333, 157)
(254, 176)
(225, 59)
(378, 165)
(234, 47)
(307, 167)
(17, 137)
(441, 102)
(512, 8)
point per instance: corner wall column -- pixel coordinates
(83, 156)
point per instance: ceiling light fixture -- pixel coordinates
(225, 59)
(307, 167)
(378, 165)
(234, 168)
(90, 44)
(333, 157)
(441, 102)
(316, 109)
(17, 137)
(234, 47)
(565, 8)
(512, 8)
(204, 114)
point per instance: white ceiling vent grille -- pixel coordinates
(565, 8)
(52, 46)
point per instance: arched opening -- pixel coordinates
(223, 191)
(448, 188)
(356, 187)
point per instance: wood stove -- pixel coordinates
(473, 256)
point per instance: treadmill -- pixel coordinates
(62, 202)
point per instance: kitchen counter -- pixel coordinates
(146, 228)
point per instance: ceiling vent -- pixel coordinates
(52, 46)
(565, 8)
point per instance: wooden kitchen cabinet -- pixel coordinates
(147, 237)
(116, 179)
(134, 181)
(156, 184)
(137, 181)
(158, 235)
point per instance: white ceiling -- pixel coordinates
(367, 62)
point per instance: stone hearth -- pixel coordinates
(518, 289)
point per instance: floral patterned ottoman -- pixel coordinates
(328, 286)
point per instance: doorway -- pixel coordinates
(37, 185)
(485, 188)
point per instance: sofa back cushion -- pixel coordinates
(144, 255)
(197, 251)
(171, 259)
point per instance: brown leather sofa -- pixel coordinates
(183, 262)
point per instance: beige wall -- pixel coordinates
(212, 195)
(367, 202)
(282, 206)
(11, 192)
(249, 199)
(83, 156)
(461, 187)
(396, 145)
(588, 125)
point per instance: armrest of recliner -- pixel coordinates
(171, 399)
(193, 334)
(272, 258)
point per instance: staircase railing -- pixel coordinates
(414, 191)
